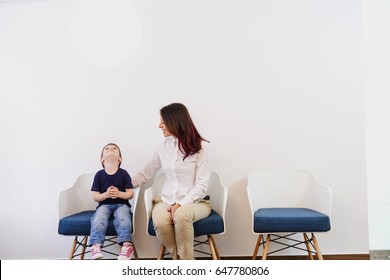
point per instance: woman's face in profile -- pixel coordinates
(164, 129)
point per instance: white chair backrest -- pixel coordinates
(151, 193)
(134, 203)
(287, 188)
(77, 198)
(218, 194)
(216, 190)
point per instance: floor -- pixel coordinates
(380, 255)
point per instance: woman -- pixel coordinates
(184, 159)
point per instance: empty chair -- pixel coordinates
(76, 208)
(204, 228)
(285, 202)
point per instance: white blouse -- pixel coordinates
(185, 181)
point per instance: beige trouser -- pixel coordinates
(178, 236)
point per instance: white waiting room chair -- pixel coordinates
(76, 208)
(207, 227)
(285, 202)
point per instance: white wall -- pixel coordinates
(269, 83)
(376, 22)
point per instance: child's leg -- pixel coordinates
(99, 224)
(123, 223)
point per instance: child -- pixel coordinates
(112, 189)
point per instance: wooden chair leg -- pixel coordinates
(161, 252)
(265, 249)
(84, 246)
(317, 247)
(259, 240)
(76, 242)
(308, 248)
(213, 248)
(73, 248)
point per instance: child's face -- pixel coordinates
(111, 153)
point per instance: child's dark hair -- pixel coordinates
(113, 144)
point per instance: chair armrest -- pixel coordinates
(65, 205)
(218, 193)
(322, 199)
(148, 197)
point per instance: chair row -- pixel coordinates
(283, 202)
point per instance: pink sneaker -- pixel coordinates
(96, 252)
(127, 251)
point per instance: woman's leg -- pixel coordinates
(163, 226)
(99, 223)
(184, 218)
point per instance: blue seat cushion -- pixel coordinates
(213, 224)
(80, 224)
(268, 220)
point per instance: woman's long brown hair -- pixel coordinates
(179, 123)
